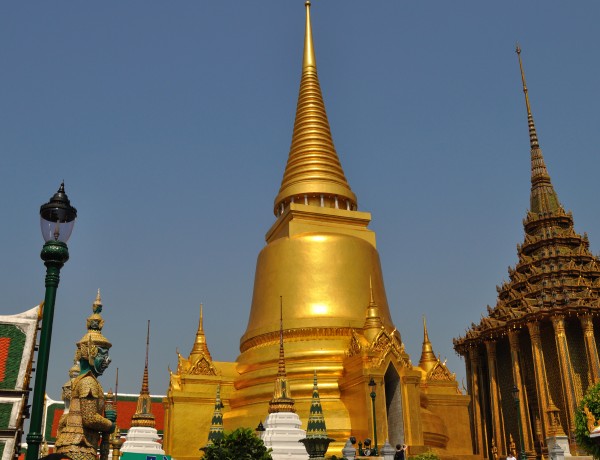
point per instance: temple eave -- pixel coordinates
(496, 333)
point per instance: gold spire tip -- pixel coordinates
(518, 48)
(309, 50)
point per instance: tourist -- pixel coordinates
(400, 452)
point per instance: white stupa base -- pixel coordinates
(282, 434)
(142, 440)
(562, 441)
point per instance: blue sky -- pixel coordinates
(170, 123)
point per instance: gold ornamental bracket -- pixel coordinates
(441, 373)
(386, 344)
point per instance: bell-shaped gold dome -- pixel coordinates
(324, 281)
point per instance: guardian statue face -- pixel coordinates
(101, 361)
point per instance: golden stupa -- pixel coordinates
(321, 260)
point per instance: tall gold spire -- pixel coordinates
(313, 174)
(543, 197)
(282, 398)
(143, 414)
(428, 358)
(200, 347)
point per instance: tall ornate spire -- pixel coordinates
(200, 348)
(373, 321)
(313, 174)
(216, 425)
(428, 359)
(543, 197)
(282, 398)
(143, 414)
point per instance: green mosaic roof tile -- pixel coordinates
(12, 344)
(5, 411)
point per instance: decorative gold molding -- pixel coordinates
(298, 334)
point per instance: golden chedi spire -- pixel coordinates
(282, 398)
(428, 359)
(200, 348)
(543, 197)
(319, 255)
(313, 174)
(143, 414)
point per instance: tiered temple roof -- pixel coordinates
(555, 272)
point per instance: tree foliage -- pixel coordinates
(591, 400)
(425, 456)
(241, 444)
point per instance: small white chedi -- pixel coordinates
(282, 434)
(282, 427)
(142, 437)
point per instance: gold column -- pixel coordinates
(498, 434)
(591, 350)
(566, 373)
(513, 338)
(541, 381)
(477, 420)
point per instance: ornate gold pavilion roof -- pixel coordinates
(555, 273)
(313, 167)
(428, 359)
(199, 361)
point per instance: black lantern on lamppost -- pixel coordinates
(515, 394)
(259, 430)
(372, 386)
(57, 218)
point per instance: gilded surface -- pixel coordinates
(313, 173)
(386, 343)
(322, 260)
(202, 367)
(199, 361)
(355, 347)
(441, 373)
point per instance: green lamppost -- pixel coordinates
(57, 218)
(515, 393)
(372, 385)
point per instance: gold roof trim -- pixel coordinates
(313, 167)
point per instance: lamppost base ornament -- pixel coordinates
(316, 447)
(55, 253)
